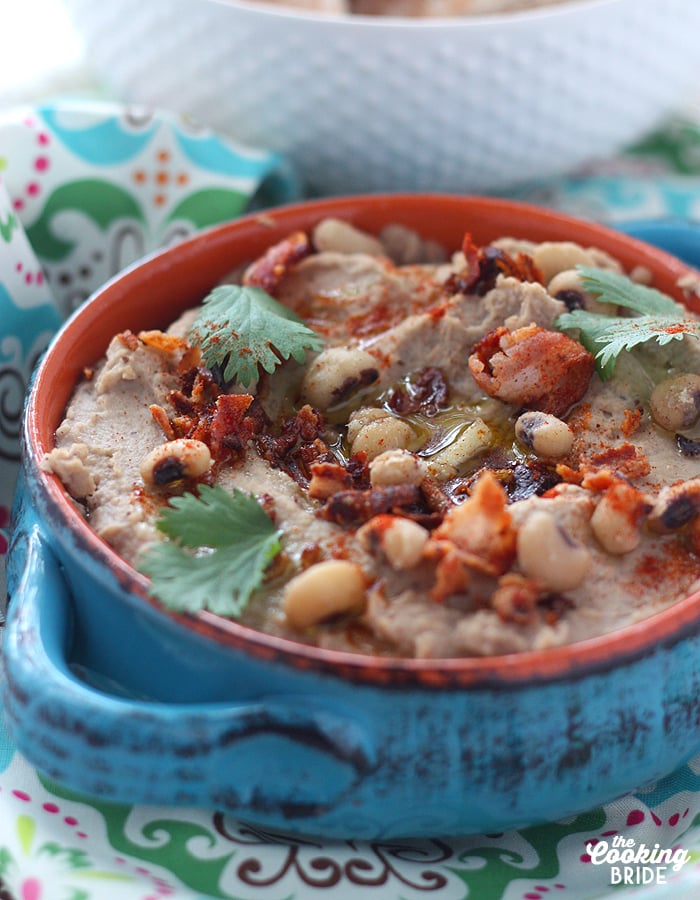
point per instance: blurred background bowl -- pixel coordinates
(480, 103)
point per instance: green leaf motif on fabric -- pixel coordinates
(677, 144)
(8, 226)
(209, 207)
(166, 842)
(501, 868)
(99, 200)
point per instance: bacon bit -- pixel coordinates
(554, 606)
(626, 460)
(485, 264)
(191, 359)
(280, 567)
(160, 417)
(224, 422)
(308, 423)
(88, 373)
(569, 475)
(358, 468)
(436, 499)
(229, 428)
(181, 403)
(327, 479)
(427, 394)
(580, 417)
(267, 501)
(515, 599)
(631, 421)
(452, 576)
(310, 554)
(298, 445)
(521, 478)
(129, 339)
(162, 342)
(184, 426)
(354, 507)
(481, 528)
(204, 387)
(472, 254)
(268, 271)
(532, 368)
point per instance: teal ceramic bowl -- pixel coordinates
(117, 698)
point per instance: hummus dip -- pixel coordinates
(449, 475)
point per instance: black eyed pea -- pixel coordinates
(363, 416)
(175, 460)
(327, 589)
(401, 540)
(336, 236)
(446, 463)
(396, 467)
(544, 434)
(335, 374)
(676, 506)
(567, 287)
(382, 434)
(552, 257)
(617, 520)
(549, 555)
(675, 402)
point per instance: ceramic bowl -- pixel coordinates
(112, 695)
(479, 103)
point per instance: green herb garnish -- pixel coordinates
(220, 545)
(241, 328)
(659, 318)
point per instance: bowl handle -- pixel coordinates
(280, 759)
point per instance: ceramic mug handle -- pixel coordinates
(272, 756)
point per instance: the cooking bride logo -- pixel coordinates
(633, 863)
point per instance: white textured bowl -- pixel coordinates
(367, 104)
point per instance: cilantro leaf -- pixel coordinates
(619, 290)
(220, 545)
(242, 328)
(660, 318)
(591, 326)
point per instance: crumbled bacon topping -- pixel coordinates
(532, 367)
(485, 264)
(478, 535)
(625, 460)
(297, 445)
(427, 394)
(354, 507)
(268, 271)
(515, 599)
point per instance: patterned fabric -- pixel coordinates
(55, 845)
(90, 188)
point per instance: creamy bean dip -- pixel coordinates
(449, 475)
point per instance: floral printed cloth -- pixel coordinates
(75, 213)
(90, 188)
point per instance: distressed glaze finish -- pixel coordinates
(198, 710)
